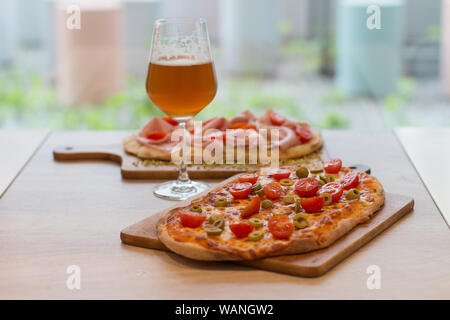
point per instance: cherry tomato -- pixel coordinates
(281, 174)
(241, 190)
(241, 230)
(277, 119)
(156, 135)
(170, 120)
(314, 204)
(251, 208)
(350, 180)
(303, 134)
(273, 190)
(192, 219)
(281, 227)
(332, 165)
(307, 187)
(248, 177)
(242, 125)
(334, 189)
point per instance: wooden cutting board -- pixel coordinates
(134, 168)
(312, 264)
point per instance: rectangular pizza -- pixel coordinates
(271, 212)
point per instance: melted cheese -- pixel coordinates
(320, 224)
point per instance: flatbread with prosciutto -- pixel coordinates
(295, 138)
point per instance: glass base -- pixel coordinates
(174, 190)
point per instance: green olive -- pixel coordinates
(260, 193)
(321, 182)
(283, 213)
(256, 187)
(255, 235)
(288, 199)
(217, 220)
(327, 197)
(215, 217)
(352, 194)
(323, 179)
(326, 178)
(316, 170)
(213, 231)
(221, 202)
(298, 205)
(286, 182)
(301, 221)
(219, 223)
(302, 172)
(196, 209)
(266, 204)
(257, 223)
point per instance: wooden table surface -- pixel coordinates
(60, 214)
(17, 148)
(429, 151)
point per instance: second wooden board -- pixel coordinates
(312, 264)
(134, 168)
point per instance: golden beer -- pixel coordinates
(181, 87)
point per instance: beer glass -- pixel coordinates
(181, 81)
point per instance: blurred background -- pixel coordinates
(315, 60)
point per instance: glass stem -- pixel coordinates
(183, 177)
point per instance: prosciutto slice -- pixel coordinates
(219, 123)
(216, 127)
(155, 124)
(265, 118)
(288, 138)
(291, 124)
(244, 116)
(209, 129)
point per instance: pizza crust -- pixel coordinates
(192, 250)
(132, 146)
(296, 245)
(343, 227)
(303, 149)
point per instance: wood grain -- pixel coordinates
(58, 214)
(144, 234)
(132, 168)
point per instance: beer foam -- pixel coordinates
(180, 61)
(185, 50)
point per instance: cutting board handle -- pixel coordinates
(94, 152)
